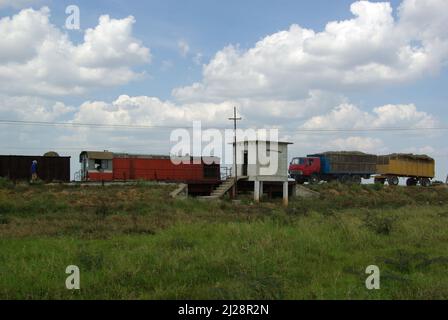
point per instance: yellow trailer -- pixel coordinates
(418, 169)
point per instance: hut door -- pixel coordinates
(245, 163)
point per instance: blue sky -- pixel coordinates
(329, 80)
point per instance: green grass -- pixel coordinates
(136, 243)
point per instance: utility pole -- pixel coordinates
(235, 119)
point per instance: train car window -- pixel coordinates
(98, 165)
(106, 164)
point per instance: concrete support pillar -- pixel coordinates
(261, 189)
(257, 191)
(294, 191)
(285, 193)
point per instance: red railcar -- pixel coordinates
(108, 166)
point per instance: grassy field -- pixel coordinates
(135, 242)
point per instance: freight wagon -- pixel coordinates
(49, 168)
(346, 167)
(418, 169)
(108, 166)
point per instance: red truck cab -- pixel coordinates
(305, 169)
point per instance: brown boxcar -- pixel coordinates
(49, 169)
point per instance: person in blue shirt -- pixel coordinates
(34, 171)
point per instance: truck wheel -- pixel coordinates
(393, 181)
(411, 182)
(357, 179)
(314, 179)
(425, 182)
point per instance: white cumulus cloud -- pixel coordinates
(372, 48)
(37, 58)
(364, 144)
(33, 108)
(349, 116)
(144, 110)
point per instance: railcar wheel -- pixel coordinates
(393, 181)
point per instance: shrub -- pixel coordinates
(378, 186)
(4, 220)
(379, 224)
(91, 260)
(6, 183)
(102, 210)
(6, 207)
